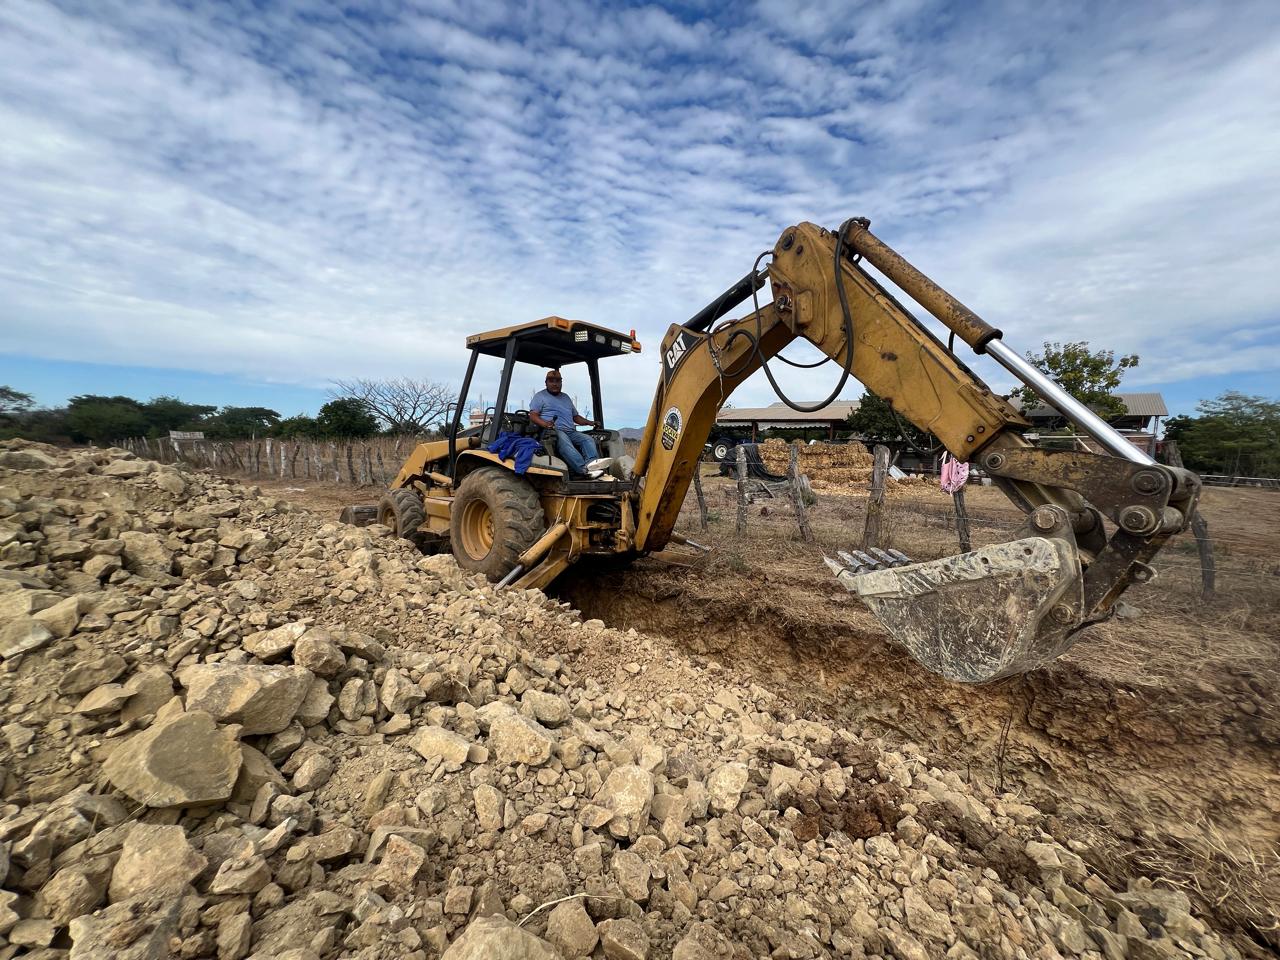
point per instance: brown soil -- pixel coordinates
(1155, 741)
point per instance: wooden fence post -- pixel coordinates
(875, 503)
(797, 495)
(1200, 528)
(697, 489)
(962, 521)
(742, 490)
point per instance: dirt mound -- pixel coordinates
(233, 730)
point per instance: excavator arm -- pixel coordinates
(1094, 520)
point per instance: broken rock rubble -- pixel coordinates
(233, 730)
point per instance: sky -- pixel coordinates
(238, 203)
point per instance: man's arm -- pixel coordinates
(535, 413)
(580, 420)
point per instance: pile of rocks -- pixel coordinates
(232, 730)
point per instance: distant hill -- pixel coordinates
(632, 433)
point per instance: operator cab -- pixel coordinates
(549, 343)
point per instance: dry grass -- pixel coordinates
(1232, 879)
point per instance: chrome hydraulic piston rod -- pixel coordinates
(1066, 404)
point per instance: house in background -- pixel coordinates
(778, 416)
(1140, 423)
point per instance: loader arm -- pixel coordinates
(989, 613)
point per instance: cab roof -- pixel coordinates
(555, 342)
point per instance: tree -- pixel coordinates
(401, 405)
(874, 420)
(13, 402)
(1235, 434)
(1091, 376)
(297, 427)
(170, 413)
(346, 417)
(234, 423)
(104, 419)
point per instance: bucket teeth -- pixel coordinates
(856, 562)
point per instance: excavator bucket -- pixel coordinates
(1000, 610)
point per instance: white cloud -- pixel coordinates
(297, 195)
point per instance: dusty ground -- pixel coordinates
(1155, 740)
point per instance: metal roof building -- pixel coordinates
(1140, 405)
(778, 416)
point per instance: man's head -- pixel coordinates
(553, 382)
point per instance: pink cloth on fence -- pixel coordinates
(954, 473)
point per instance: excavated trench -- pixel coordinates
(1145, 779)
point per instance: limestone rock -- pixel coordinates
(623, 940)
(63, 617)
(488, 807)
(628, 793)
(102, 566)
(26, 603)
(235, 934)
(100, 701)
(124, 469)
(155, 860)
(399, 694)
(22, 635)
(146, 554)
(183, 761)
(433, 742)
(242, 874)
(313, 774)
(75, 890)
(516, 739)
(316, 651)
(632, 875)
(335, 843)
(570, 930)
(137, 929)
(547, 708)
(256, 769)
(275, 643)
(725, 786)
(171, 481)
(261, 699)
(316, 704)
(27, 458)
(497, 938)
(83, 677)
(401, 861)
(148, 692)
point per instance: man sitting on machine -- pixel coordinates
(551, 408)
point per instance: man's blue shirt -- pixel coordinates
(559, 409)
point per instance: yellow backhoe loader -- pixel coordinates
(1094, 520)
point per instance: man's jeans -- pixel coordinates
(575, 449)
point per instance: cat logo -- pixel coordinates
(676, 352)
(671, 425)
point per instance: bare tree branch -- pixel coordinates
(402, 404)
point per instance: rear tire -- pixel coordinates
(402, 511)
(496, 516)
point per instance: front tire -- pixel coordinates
(721, 449)
(496, 516)
(402, 511)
